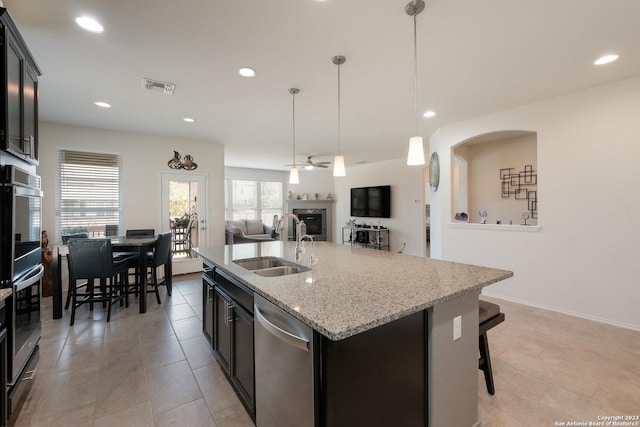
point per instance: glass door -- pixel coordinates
(184, 214)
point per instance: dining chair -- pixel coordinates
(135, 233)
(489, 316)
(92, 260)
(65, 240)
(144, 232)
(161, 258)
(67, 237)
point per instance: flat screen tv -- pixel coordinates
(371, 202)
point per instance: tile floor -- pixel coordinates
(156, 370)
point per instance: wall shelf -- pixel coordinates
(499, 227)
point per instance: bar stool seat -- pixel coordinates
(489, 316)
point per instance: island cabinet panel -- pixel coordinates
(376, 378)
(207, 308)
(243, 370)
(233, 336)
(222, 329)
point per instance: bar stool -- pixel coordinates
(490, 316)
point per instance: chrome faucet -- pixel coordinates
(312, 259)
(299, 225)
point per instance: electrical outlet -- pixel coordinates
(457, 328)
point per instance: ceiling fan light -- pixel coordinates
(338, 166)
(293, 176)
(308, 167)
(416, 151)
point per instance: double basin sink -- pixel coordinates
(271, 266)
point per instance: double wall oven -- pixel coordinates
(21, 269)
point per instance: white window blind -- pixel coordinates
(88, 196)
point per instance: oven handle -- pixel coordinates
(29, 278)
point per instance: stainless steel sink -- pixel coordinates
(260, 263)
(279, 271)
(271, 266)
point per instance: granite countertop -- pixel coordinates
(5, 293)
(349, 289)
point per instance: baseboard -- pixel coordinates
(563, 311)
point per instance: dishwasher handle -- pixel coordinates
(292, 339)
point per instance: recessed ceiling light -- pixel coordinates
(102, 104)
(429, 114)
(89, 24)
(247, 72)
(606, 59)
(189, 120)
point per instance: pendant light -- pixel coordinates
(416, 149)
(338, 163)
(293, 172)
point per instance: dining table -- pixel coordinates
(141, 245)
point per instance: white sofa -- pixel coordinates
(247, 231)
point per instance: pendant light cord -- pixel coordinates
(339, 124)
(294, 130)
(415, 72)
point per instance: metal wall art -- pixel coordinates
(522, 185)
(186, 164)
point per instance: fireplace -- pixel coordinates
(317, 216)
(316, 222)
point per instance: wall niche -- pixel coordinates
(497, 173)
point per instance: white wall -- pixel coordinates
(584, 259)
(407, 201)
(144, 157)
(315, 181)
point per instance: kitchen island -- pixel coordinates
(384, 351)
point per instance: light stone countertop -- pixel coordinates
(350, 289)
(5, 293)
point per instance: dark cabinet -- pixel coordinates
(222, 328)
(242, 368)
(207, 308)
(3, 364)
(232, 334)
(19, 123)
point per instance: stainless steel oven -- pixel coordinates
(21, 268)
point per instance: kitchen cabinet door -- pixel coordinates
(243, 362)
(19, 75)
(207, 310)
(223, 311)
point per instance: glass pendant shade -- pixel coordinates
(293, 176)
(338, 166)
(416, 151)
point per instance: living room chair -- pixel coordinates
(91, 261)
(489, 316)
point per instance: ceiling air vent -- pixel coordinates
(158, 86)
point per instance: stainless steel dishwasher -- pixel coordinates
(284, 368)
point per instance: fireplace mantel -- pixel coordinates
(315, 204)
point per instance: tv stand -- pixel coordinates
(368, 237)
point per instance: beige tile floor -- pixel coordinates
(156, 369)
(550, 367)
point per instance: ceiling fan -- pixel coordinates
(310, 164)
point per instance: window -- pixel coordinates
(245, 199)
(271, 200)
(88, 196)
(250, 199)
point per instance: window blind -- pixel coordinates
(88, 196)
